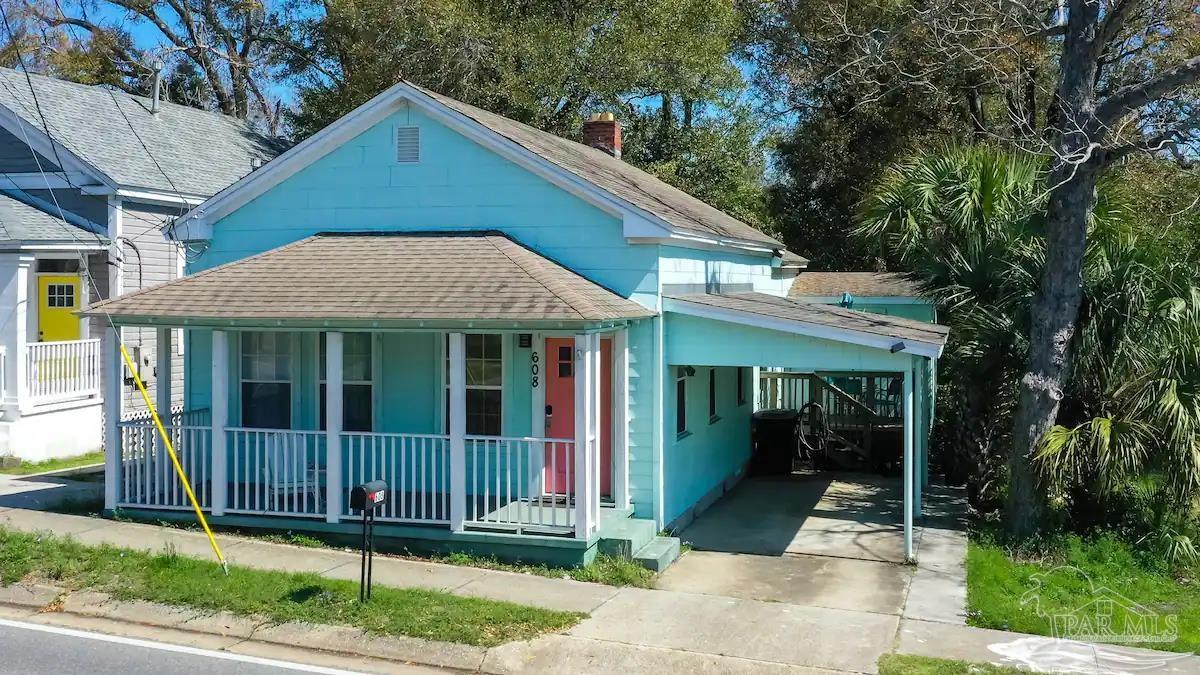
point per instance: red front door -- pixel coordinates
(560, 413)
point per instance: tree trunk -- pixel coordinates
(1054, 313)
(1074, 170)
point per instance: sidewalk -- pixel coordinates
(628, 629)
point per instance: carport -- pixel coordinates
(759, 331)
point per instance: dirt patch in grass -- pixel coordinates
(275, 596)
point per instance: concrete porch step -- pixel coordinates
(658, 554)
(622, 537)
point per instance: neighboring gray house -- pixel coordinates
(82, 212)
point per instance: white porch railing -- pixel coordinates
(416, 468)
(147, 477)
(276, 471)
(521, 483)
(524, 485)
(62, 371)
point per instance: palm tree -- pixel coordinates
(967, 224)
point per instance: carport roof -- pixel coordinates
(822, 321)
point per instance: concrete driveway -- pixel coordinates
(843, 515)
(821, 540)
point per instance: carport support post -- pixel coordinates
(909, 435)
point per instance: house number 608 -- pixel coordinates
(534, 368)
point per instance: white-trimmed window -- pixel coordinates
(712, 396)
(266, 380)
(485, 383)
(681, 428)
(358, 382)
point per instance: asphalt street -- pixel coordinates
(32, 649)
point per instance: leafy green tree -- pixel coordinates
(542, 63)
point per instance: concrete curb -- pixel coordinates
(48, 604)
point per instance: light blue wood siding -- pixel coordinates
(456, 185)
(697, 463)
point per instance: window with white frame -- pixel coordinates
(485, 383)
(681, 428)
(358, 382)
(712, 396)
(266, 380)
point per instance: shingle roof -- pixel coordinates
(386, 277)
(200, 152)
(860, 284)
(823, 315)
(21, 222)
(617, 177)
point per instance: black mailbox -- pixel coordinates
(368, 496)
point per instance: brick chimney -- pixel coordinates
(603, 132)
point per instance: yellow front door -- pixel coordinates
(58, 300)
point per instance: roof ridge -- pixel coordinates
(573, 299)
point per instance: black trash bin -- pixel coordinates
(773, 435)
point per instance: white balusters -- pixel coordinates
(62, 371)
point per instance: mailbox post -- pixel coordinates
(367, 498)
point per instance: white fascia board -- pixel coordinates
(865, 299)
(44, 181)
(147, 196)
(885, 342)
(46, 147)
(35, 246)
(712, 243)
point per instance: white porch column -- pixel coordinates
(219, 416)
(458, 431)
(595, 401)
(162, 380)
(111, 379)
(333, 426)
(909, 434)
(620, 418)
(585, 425)
(22, 329)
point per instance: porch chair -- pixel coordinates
(289, 473)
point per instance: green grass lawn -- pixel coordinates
(996, 584)
(903, 664)
(276, 596)
(26, 468)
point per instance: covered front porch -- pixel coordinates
(484, 418)
(244, 456)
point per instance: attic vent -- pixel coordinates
(408, 144)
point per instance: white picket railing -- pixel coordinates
(416, 468)
(62, 371)
(276, 471)
(516, 484)
(148, 479)
(520, 483)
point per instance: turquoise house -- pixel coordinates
(544, 351)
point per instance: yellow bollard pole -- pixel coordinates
(174, 459)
